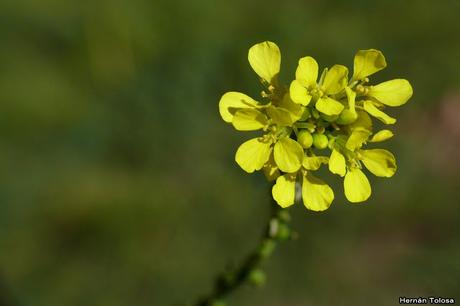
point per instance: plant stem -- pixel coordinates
(250, 268)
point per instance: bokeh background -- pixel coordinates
(118, 184)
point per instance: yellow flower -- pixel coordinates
(304, 88)
(316, 194)
(346, 159)
(253, 154)
(374, 98)
(311, 115)
(275, 118)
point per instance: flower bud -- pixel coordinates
(257, 277)
(283, 232)
(305, 139)
(347, 117)
(320, 141)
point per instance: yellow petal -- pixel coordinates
(337, 164)
(249, 119)
(356, 139)
(280, 116)
(348, 115)
(270, 169)
(335, 80)
(316, 194)
(351, 97)
(382, 136)
(299, 94)
(379, 162)
(307, 71)
(288, 155)
(356, 185)
(284, 190)
(362, 122)
(374, 111)
(329, 106)
(314, 162)
(233, 101)
(368, 62)
(265, 60)
(392, 93)
(253, 154)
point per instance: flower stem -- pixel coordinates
(249, 269)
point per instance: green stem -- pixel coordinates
(226, 283)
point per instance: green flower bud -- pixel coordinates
(284, 216)
(320, 141)
(257, 277)
(267, 248)
(305, 139)
(283, 232)
(347, 117)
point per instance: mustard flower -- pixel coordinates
(374, 98)
(312, 115)
(304, 88)
(346, 158)
(275, 149)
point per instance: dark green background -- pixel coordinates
(117, 179)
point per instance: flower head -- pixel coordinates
(331, 113)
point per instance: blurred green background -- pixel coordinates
(118, 184)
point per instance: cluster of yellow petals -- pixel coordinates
(316, 120)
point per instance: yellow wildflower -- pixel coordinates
(374, 98)
(304, 88)
(275, 118)
(346, 158)
(313, 115)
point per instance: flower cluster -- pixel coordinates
(315, 121)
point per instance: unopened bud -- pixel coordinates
(347, 116)
(320, 141)
(257, 277)
(305, 139)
